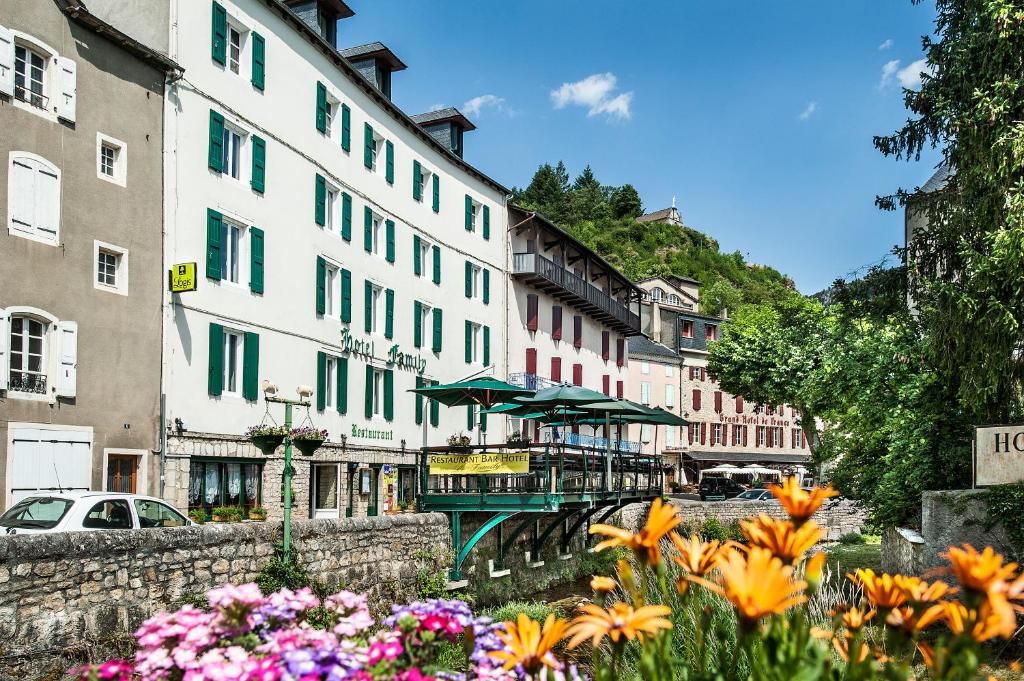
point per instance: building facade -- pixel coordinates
(723, 428)
(655, 380)
(80, 289)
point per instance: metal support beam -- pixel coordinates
(575, 526)
(462, 550)
(506, 546)
(606, 515)
(538, 542)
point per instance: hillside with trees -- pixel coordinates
(604, 218)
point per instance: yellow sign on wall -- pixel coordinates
(182, 278)
(479, 464)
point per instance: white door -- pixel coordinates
(45, 460)
(327, 490)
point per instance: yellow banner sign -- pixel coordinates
(479, 464)
(182, 277)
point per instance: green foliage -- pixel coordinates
(432, 573)
(851, 538)
(713, 529)
(1004, 505)
(230, 514)
(198, 515)
(625, 202)
(510, 611)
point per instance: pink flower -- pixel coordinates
(414, 674)
(434, 622)
(228, 595)
(358, 621)
(383, 650)
(111, 670)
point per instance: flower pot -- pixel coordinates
(307, 447)
(218, 519)
(258, 516)
(460, 449)
(267, 444)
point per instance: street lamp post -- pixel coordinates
(288, 472)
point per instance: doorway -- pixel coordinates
(122, 473)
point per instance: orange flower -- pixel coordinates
(784, 539)
(982, 573)
(928, 653)
(529, 645)
(799, 504)
(618, 622)
(813, 568)
(842, 647)
(912, 622)
(757, 583)
(880, 590)
(602, 585)
(855, 618)
(696, 556)
(919, 591)
(646, 543)
(982, 625)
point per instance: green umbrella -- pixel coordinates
(655, 416)
(485, 392)
(561, 396)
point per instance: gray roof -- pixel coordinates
(444, 115)
(748, 457)
(641, 345)
(375, 49)
(938, 180)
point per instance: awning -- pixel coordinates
(748, 457)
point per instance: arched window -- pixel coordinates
(657, 294)
(28, 354)
(673, 299)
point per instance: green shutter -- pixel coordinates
(437, 263)
(259, 164)
(483, 422)
(369, 391)
(368, 146)
(220, 35)
(341, 401)
(419, 401)
(368, 305)
(346, 296)
(487, 222)
(259, 61)
(346, 128)
(320, 201)
(321, 107)
(469, 279)
(487, 346)
(469, 342)
(251, 366)
(321, 381)
(214, 223)
(215, 368)
(437, 193)
(470, 421)
(346, 217)
(367, 229)
(256, 260)
(389, 313)
(215, 158)
(435, 344)
(389, 228)
(389, 395)
(469, 213)
(417, 178)
(435, 411)
(417, 260)
(417, 324)
(321, 285)
(389, 161)
(487, 286)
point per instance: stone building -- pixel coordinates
(723, 428)
(669, 216)
(81, 110)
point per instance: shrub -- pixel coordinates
(853, 538)
(230, 514)
(713, 529)
(509, 612)
(198, 515)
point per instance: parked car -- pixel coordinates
(85, 511)
(755, 495)
(719, 488)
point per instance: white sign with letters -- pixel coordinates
(998, 455)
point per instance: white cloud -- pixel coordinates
(474, 106)
(908, 77)
(808, 111)
(436, 107)
(888, 73)
(886, 45)
(595, 94)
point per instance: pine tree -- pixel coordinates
(626, 203)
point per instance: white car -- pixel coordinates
(87, 511)
(754, 495)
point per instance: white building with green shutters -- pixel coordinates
(339, 244)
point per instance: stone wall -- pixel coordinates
(60, 590)
(838, 518)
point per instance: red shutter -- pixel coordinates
(606, 345)
(718, 401)
(803, 442)
(703, 374)
(575, 430)
(536, 432)
(696, 399)
(689, 432)
(556, 322)
(739, 406)
(531, 311)
(744, 436)
(703, 433)
(577, 374)
(531, 361)
(792, 412)
(620, 352)
(606, 384)
(619, 389)
(577, 331)
(556, 369)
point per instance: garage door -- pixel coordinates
(48, 460)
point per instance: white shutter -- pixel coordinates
(22, 199)
(6, 62)
(4, 355)
(67, 358)
(66, 87)
(47, 200)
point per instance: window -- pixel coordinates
(33, 198)
(234, 49)
(739, 435)
(108, 157)
(716, 433)
(28, 356)
(233, 348)
(218, 483)
(424, 184)
(231, 162)
(376, 234)
(669, 371)
(473, 210)
(712, 331)
(30, 76)
(376, 312)
(332, 290)
(761, 436)
(425, 323)
(670, 395)
(378, 393)
(657, 294)
(106, 268)
(798, 438)
(670, 437)
(673, 299)
(424, 248)
(331, 209)
(696, 373)
(231, 239)
(645, 432)
(330, 381)
(155, 514)
(645, 367)
(122, 473)
(111, 268)
(645, 393)
(686, 328)
(375, 143)
(475, 343)
(112, 514)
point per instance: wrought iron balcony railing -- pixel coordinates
(25, 382)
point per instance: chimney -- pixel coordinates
(447, 126)
(322, 16)
(376, 62)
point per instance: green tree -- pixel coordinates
(719, 297)
(625, 202)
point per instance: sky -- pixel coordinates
(757, 116)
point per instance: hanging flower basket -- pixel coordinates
(308, 439)
(267, 438)
(459, 442)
